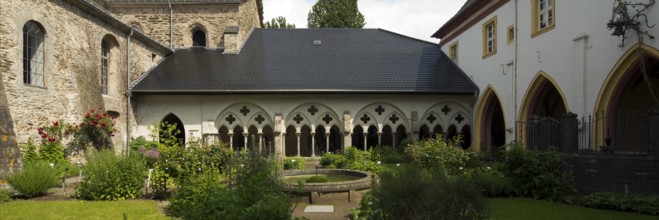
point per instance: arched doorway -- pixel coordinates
(387, 136)
(198, 38)
(541, 110)
(490, 125)
(320, 142)
(179, 133)
(305, 141)
(372, 139)
(238, 138)
(335, 140)
(626, 102)
(401, 135)
(268, 139)
(451, 132)
(358, 137)
(225, 140)
(466, 137)
(290, 145)
(424, 132)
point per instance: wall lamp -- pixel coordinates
(628, 16)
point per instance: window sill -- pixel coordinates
(540, 32)
(489, 54)
(36, 87)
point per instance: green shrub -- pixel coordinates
(492, 185)
(317, 179)
(644, 204)
(111, 177)
(254, 192)
(538, 174)
(352, 158)
(5, 195)
(34, 179)
(388, 154)
(438, 153)
(330, 160)
(294, 163)
(416, 193)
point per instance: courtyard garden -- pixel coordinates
(428, 179)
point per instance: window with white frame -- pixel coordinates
(33, 54)
(543, 16)
(490, 37)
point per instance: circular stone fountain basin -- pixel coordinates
(357, 180)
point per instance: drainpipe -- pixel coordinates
(515, 73)
(584, 70)
(171, 15)
(128, 92)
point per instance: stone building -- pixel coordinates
(58, 58)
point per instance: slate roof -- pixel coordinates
(468, 4)
(287, 61)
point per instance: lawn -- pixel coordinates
(521, 208)
(500, 208)
(77, 209)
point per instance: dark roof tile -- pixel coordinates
(286, 60)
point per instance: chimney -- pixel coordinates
(231, 39)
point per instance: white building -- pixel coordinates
(547, 58)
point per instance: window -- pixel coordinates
(511, 33)
(33, 54)
(199, 38)
(453, 52)
(543, 16)
(105, 64)
(490, 37)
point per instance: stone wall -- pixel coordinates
(72, 65)
(154, 19)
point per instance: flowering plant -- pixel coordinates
(96, 129)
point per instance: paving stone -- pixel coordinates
(319, 208)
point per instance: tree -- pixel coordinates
(335, 14)
(278, 23)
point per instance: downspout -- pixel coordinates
(128, 92)
(515, 74)
(171, 20)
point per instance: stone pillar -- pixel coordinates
(298, 143)
(327, 135)
(393, 137)
(313, 144)
(280, 135)
(10, 157)
(413, 132)
(379, 138)
(365, 139)
(231, 140)
(347, 129)
(245, 135)
(569, 132)
(260, 142)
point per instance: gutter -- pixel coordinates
(171, 20)
(128, 92)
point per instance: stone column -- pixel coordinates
(298, 142)
(327, 135)
(260, 142)
(282, 145)
(231, 140)
(313, 144)
(379, 137)
(393, 137)
(365, 139)
(245, 135)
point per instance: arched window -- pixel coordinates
(199, 38)
(105, 63)
(33, 54)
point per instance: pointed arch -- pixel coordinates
(199, 35)
(244, 114)
(614, 89)
(313, 114)
(541, 84)
(380, 113)
(172, 119)
(490, 122)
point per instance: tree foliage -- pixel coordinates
(278, 23)
(335, 14)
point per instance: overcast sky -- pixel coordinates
(415, 18)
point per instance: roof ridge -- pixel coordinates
(402, 35)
